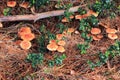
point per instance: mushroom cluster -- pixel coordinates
(89, 13)
(111, 32)
(96, 34)
(58, 44)
(13, 4)
(26, 35)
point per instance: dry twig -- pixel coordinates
(38, 16)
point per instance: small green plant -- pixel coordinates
(6, 11)
(93, 20)
(67, 13)
(51, 36)
(58, 60)
(112, 51)
(38, 3)
(35, 59)
(61, 27)
(83, 47)
(105, 7)
(82, 11)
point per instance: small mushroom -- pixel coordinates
(24, 5)
(52, 41)
(95, 38)
(66, 20)
(99, 36)
(61, 49)
(61, 43)
(24, 30)
(109, 30)
(25, 44)
(59, 36)
(11, 3)
(112, 36)
(28, 36)
(52, 46)
(95, 31)
(91, 12)
(78, 17)
(71, 17)
(70, 30)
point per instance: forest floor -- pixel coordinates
(13, 63)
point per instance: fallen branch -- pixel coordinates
(37, 16)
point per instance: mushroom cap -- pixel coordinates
(24, 30)
(24, 5)
(28, 36)
(78, 17)
(65, 20)
(25, 44)
(52, 41)
(112, 36)
(71, 17)
(109, 30)
(11, 3)
(52, 46)
(59, 36)
(95, 38)
(70, 30)
(99, 36)
(61, 49)
(95, 31)
(61, 43)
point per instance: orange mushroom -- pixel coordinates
(112, 36)
(99, 36)
(11, 3)
(95, 31)
(59, 36)
(65, 20)
(61, 43)
(28, 36)
(71, 17)
(52, 46)
(95, 38)
(91, 12)
(61, 49)
(78, 17)
(52, 41)
(109, 30)
(24, 30)
(70, 30)
(25, 45)
(24, 5)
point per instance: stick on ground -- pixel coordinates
(37, 16)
